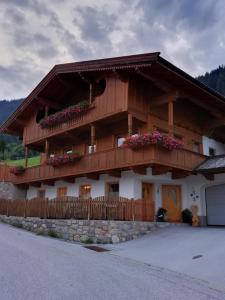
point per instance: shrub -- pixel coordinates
(53, 234)
(187, 216)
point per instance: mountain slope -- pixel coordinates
(215, 79)
(7, 108)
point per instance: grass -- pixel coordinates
(32, 161)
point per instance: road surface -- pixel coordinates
(36, 267)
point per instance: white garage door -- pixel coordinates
(215, 205)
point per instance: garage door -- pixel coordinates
(215, 205)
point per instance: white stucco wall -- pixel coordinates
(211, 143)
(192, 187)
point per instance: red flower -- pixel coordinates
(59, 160)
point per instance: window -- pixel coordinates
(85, 191)
(91, 149)
(69, 151)
(212, 151)
(119, 141)
(113, 190)
(41, 194)
(62, 192)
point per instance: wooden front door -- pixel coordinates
(171, 201)
(148, 208)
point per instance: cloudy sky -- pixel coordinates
(37, 34)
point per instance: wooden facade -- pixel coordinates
(127, 95)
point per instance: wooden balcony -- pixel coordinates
(113, 159)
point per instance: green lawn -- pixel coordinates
(32, 161)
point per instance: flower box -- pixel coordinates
(64, 115)
(138, 141)
(59, 160)
(17, 170)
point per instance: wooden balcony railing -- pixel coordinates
(100, 208)
(96, 112)
(116, 158)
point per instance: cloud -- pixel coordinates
(37, 34)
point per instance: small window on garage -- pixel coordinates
(212, 151)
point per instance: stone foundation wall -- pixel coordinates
(10, 191)
(97, 231)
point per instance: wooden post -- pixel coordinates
(89, 208)
(133, 217)
(130, 124)
(171, 117)
(46, 148)
(93, 137)
(90, 93)
(26, 157)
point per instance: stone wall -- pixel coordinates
(10, 191)
(97, 231)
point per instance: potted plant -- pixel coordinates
(161, 215)
(187, 216)
(64, 115)
(58, 160)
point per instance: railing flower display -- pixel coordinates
(16, 170)
(64, 115)
(58, 160)
(142, 140)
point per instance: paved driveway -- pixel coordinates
(35, 267)
(175, 247)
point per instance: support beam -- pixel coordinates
(139, 170)
(26, 156)
(158, 170)
(36, 184)
(93, 135)
(209, 176)
(178, 174)
(130, 124)
(171, 117)
(93, 176)
(46, 148)
(114, 173)
(69, 179)
(90, 93)
(49, 182)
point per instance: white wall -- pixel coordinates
(211, 143)
(192, 187)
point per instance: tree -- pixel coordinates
(2, 148)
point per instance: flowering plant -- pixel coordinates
(142, 140)
(17, 170)
(59, 160)
(64, 115)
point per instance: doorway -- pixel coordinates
(171, 201)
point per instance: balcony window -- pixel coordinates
(91, 149)
(119, 141)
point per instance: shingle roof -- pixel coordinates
(213, 164)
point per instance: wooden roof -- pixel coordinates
(157, 65)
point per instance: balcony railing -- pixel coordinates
(116, 158)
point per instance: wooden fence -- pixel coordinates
(100, 208)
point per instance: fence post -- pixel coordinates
(89, 208)
(7, 207)
(25, 208)
(133, 216)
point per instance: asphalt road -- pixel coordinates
(36, 267)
